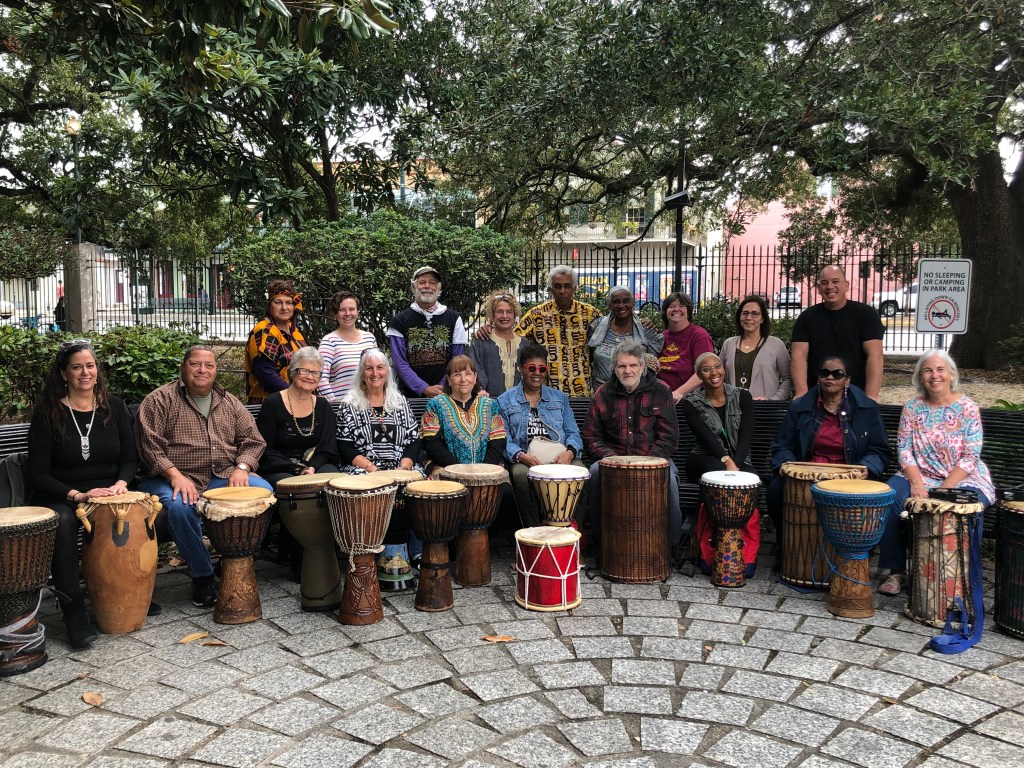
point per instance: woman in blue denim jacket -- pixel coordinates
(532, 410)
(834, 423)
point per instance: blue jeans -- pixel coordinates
(892, 550)
(185, 524)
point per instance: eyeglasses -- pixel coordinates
(307, 372)
(838, 373)
(535, 368)
(750, 314)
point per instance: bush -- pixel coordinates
(135, 360)
(718, 318)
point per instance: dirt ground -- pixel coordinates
(984, 387)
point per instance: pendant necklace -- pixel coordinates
(84, 438)
(312, 418)
(744, 380)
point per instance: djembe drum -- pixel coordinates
(26, 549)
(940, 558)
(119, 553)
(556, 490)
(1009, 606)
(484, 484)
(730, 499)
(634, 518)
(852, 517)
(436, 507)
(302, 504)
(398, 530)
(802, 542)
(548, 568)
(360, 507)
(237, 519)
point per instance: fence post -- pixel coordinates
(80, 290)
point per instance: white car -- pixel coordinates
(6, 310)
(888, 303)
(788, 296)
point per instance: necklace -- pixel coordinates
(312, 417)
(833, 409)
(84, 438)
(746, 372)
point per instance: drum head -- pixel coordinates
(810, 470)
(630, 461)
(1012, 506)
(558, 472)
(937, 506)
(852, 487)
(358, 483)
(547, 535)
(304, 483)
(128, 497)
(241, 493)
(434, 488)
(475, 474)
(401, 476)
(726, 479)
(11, 516)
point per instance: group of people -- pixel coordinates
(502, 400)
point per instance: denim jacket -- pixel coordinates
(553, 409)
(864, 438)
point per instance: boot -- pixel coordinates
(81, 632)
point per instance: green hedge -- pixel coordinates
(718, 318)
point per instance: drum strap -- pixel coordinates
(970, 617)
(18, 642)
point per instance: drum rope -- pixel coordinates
(19, 643)
(561, 576)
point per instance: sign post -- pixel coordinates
(943, 298)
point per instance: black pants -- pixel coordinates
(64, 565)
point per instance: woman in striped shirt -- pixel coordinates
(341, 348)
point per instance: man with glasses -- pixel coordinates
(837, 326)
(193, 435)
(425, 337)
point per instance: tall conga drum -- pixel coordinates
(557, 490)
(634, 518)
(397, 580)
(852, 517)
(119, 553)
(236, 521)
(730, 499)
(1009, 606)
(360, 507)
(26, 549)
(940, 559)
(484, 484)
(803, 564)
(436, 507)
(302, 504)
(548, 568)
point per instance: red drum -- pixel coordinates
(730, 500)
(484, 482)
(548, 568)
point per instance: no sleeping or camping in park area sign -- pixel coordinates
(944, 293)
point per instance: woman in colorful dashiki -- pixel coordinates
(461, 426)
(272, 341)
(342, 347)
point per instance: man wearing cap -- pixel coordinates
(425, 337)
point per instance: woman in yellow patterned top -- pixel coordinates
(272, 342)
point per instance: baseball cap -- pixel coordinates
(425, 271)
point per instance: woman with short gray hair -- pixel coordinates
(622, 323)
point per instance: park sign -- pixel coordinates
(944, 290)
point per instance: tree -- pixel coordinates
(903, 104)
(374, 257)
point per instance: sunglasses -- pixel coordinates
(535, 368)
(838, 373)
(75, 343)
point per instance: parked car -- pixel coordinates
(888, 303)
(6, 310)
(788, 296)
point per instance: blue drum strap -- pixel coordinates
(971, 619)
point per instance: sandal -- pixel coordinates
(893, 585)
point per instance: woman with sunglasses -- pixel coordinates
(495, 356)
(533, 411)
(622, 323)
(272, 342)
(834, 423)
(80, 445)
(755, 360)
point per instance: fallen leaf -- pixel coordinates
(175, 562)
(193, 637)
(497, 638)
(93, 698)
(215, 643)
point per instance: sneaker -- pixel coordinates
(204, 592)
(395, 565)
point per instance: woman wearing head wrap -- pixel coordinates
(620, 324)
(272, 342)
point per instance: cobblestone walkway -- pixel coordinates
(680, 674)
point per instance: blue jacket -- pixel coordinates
(554, 411)
(863, 432)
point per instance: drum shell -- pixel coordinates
(238, 536)
(730, 506)
(940, 563)
(547, 573)
(852, 522)
(26, 551)
(435, 517)
(557, 498)
(307, 519)
(1009, 595)
(483, 499)
(120, 571)
(634, 521)
(360, 519)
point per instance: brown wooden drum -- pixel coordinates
(119, 558)
(436, 511)
(398, 532)
(26, 549)
(801, 539)
(302, 504)
(360, 507)
(237, 520)
(484, 484)
(634, 518)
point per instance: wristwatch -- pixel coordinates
(242, 466)
(725, 459)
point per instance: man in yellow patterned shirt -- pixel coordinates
(560, 326)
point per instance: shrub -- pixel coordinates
(718, 318)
